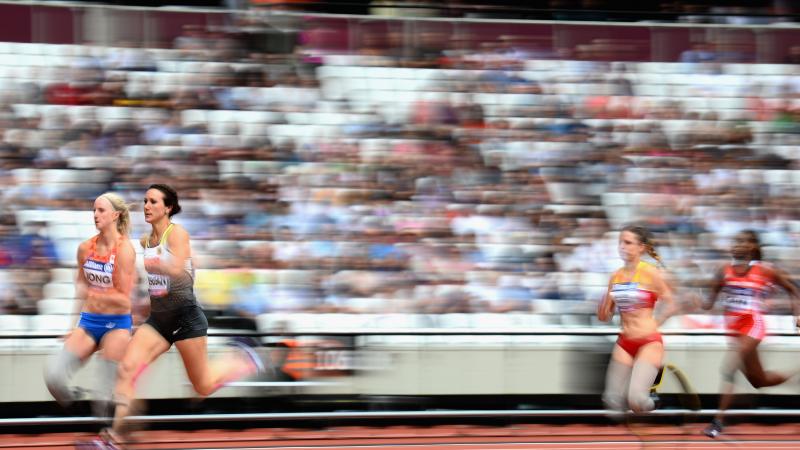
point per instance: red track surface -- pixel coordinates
(450, 437)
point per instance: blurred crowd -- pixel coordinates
(696, 11)
(448, 180)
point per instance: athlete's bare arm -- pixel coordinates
(605, 310)
(81, 286)
(716, 287)
(668, 306)
(783, 280)
(180, 249)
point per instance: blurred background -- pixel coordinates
(394, 165)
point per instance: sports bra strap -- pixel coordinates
(166, 233)
(163, 236)
(637, 274)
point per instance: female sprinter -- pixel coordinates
(638, 353)
(106, 271)
(175, 316)
(744, 283)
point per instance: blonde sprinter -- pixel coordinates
(104, 283)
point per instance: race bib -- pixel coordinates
(739, 299)
(626, 296)
(158, 285)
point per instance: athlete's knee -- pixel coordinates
(127, 371)
(205, 389)
(58, 386)
(616, 386)
(614, 402)
(766, 379)
(728, 373)
(757, 378)
(642, 378)
(58, 372)
(641, 402)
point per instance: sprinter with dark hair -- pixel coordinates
(744, 284)
(175, 316)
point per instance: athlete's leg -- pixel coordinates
(61, 367)
(731, 364)
(752, 367)
(145, 346)
(648, 360)
(113, 345)
(746, 347)
(206, 377)
(617, 380)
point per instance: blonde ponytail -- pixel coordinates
(119, 205)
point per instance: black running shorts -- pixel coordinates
(178, 324)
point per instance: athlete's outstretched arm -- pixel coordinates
(667, 307)
(81, 286)
(783, 280)
(716, 287)
(605, 310)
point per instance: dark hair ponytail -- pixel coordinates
(170, 198)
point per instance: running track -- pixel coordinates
(445, 437)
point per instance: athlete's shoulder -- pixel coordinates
(125, 246)
(650, 269)
(724, 270)
(86, 245)
(764, 265)
(647, 265)
(765, 268)
(178, 232)
(178, 227)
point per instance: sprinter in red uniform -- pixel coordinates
(743, 285)
(633, 290)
